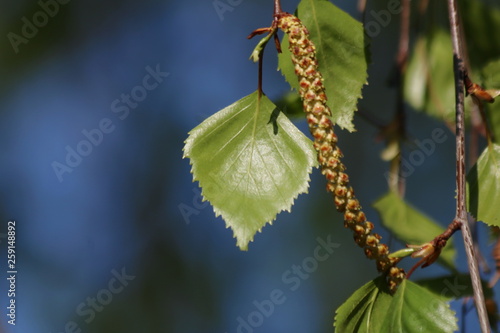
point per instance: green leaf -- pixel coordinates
(415, 309)
(491, 80)
(481, 22)
(371, 309)
(483, 182)
(365, 310)
(340, 47)
(454, 286)
(251, 163)
(411, 226)
(429, 85)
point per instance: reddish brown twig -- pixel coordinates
(461, 212)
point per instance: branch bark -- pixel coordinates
(461, 212)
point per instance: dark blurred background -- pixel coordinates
(102, 241)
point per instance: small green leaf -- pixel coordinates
(483, 182)
(371, 309)
(259, 48)
(365, 310)
(491, 80)
(429, 85)
(403, 253)
(251, 163)
(340, 47)
(411, 226)
(479, 25)
(415, 309)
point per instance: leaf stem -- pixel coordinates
(461, 212)
(258, 52)
(259, 83)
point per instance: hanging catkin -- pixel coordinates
(318, 114)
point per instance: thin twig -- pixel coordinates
(404, 36)
(361, 6)
(422, 8)
(277, 7)
(461, 212)
(398, 184)
(479, 126)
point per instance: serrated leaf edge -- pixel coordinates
(243, 245)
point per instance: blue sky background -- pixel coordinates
(118, 209)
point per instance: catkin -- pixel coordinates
(312, 92)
